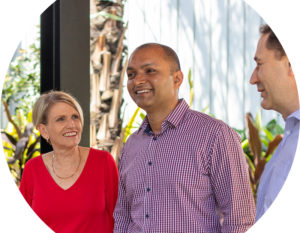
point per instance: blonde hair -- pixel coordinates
(46, 101)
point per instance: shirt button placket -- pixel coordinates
(148, 188)
(148, 183)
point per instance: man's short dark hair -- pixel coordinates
(170, 54)
(272, 42)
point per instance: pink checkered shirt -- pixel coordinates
(185, 178)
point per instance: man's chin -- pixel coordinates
(265, 105)
(143, 105)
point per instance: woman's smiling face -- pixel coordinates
(64, 126)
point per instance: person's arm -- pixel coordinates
(111, 188)
(122, 210)
(230, 182)
(26, 185)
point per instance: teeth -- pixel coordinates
(142, 91)
(70, 134)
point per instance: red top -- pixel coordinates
(87, 206)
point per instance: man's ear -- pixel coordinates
(43, 130)
(178, 78)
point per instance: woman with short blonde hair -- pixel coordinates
(72, 188)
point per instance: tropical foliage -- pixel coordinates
(259, 142)
(22, 82)
(20, 147)
(20, 90)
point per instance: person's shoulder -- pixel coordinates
(135, 137)
(33, 165)
(206, 121)
(139, 130)
(98, 152)
(132, 136)
(204, 118)
(36, 161)
(101, 155)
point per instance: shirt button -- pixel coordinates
(155, 138)
(149, 163)
(147, 215)
(288, 132)
(148, 189)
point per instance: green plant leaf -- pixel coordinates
(191, 82)
(129, 126)
(268, 133)
(106, 15)
(204, 110)
(250, 162)
(245, 143)
(274, 127)
(191, 86)
(265, 142)
(258, 123)
(142, 115)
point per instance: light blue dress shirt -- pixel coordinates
(278, 167)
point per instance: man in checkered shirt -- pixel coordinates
(181, 171)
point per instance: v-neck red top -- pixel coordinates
(86, 207)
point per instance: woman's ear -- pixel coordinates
(43, 130)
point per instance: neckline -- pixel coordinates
(173, 119)
(76, 181)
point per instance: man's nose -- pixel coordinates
(139, 79)
(254, 77)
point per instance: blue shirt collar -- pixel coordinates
(295, 114)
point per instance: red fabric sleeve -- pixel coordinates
(27, 182)
(112, 179)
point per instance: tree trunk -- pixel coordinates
(107, 75)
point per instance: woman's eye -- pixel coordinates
(60, 119)
(75, 117)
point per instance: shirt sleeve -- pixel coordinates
(26, 185)
(122, 210)
(112, 178)
(230, 182)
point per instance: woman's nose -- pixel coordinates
(71, 122)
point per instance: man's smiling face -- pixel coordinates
(151, 82)
(271, 76)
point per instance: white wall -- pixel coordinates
(216, 39)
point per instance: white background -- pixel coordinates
(15, 16)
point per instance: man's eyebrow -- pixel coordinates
(147, 64)
(142, 66)
(130, 68)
